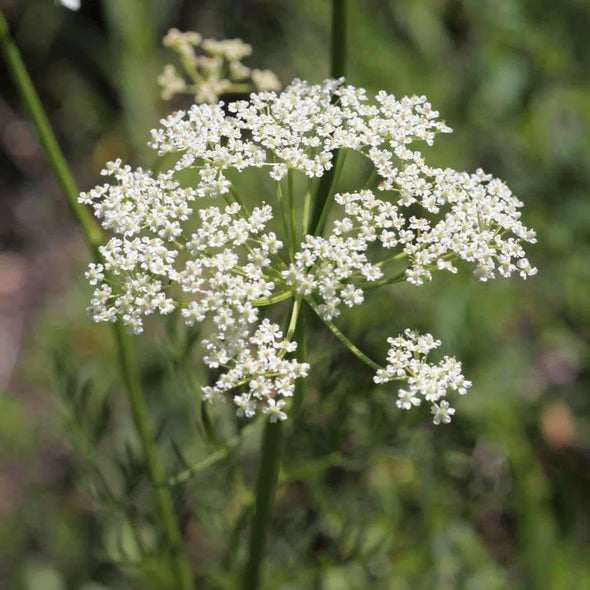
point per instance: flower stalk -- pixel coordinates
(268, 475)
(93, 237)
(338, 55)
(30, 98)
(338, 47)
(301, 356)
(272, 443)
(270, 461)
(343, 339)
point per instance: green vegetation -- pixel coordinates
(368, 496)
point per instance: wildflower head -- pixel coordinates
(407, 362)
(196, 248)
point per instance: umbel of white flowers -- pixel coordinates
(222, 263)
(216, 71)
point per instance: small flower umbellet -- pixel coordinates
(406, 361)
(215, 71)
(173, 250)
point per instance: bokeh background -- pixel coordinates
(371, 497)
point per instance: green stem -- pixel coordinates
(272, 443)
(371, 179)
(211, 459)
(398, 256)
(268, 475)
(239, 201)
(285, 220)
(30, 98)
(356, 351)
(294, 317)
(93, 237)
(338, 45)
(274, 299)
(337, 70)
(291, 199)
(340, 159)
(163, 497)
(306, 212)
(398, 278)
(301, 357)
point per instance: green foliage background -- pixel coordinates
(370, 497)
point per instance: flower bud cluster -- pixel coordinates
(217, 71)
(407, 361)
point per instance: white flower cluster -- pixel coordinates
(259, 363)
(219, 70)
(221, 266)
(228, 263)
(140, 201)
(473, 217)
(407, 361)
(298, 129)
(469, 217)
(304, 125)
(322, 267)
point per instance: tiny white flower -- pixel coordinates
(406, 400)
(95, 273)
(71, 4)
(274, 410)
(246, 406)
(442, 413)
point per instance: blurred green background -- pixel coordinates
(371, 497)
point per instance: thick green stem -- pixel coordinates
(268, 475)
(272, 443)
(338, 46)
(93, 236)
(337, 70)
